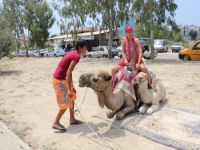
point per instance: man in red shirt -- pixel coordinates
(63, 84)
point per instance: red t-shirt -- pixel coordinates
(61, 70)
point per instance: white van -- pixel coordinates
(59, 52)
(161, 45)
(100, 51)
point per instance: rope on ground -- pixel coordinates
(97, 134)
(82, 101)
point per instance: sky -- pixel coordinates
(187, 13)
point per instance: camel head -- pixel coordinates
(140, 78)
(84, 80)
(98, 82)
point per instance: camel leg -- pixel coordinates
(130, 107)
(112, 113)
(152, 109)
(143, 109)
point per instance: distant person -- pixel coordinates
(69, 47)
(63, 84)
(131, 54)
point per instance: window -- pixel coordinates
(197, 46)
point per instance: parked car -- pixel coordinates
(192, 53)
(59, 52)
(147, 48)
(100, 51)
(43, 52)
(176, 47)
(36, 53)
(115, 51)
(119, 49)
(161, 45)
(49, 53)
(20, 53)
(30, 53)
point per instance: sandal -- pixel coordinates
(76, 122)
(59, 127)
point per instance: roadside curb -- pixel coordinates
(5, 130)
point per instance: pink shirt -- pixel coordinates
(61, 70)
(132, 53)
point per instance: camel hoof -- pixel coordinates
(150, 111)
(109, 114)
(142, 110)
(119, 115)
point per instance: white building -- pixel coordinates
(94, 38)
(185, 29)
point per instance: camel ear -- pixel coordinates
(107, 78)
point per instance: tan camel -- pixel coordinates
(120, 103)
(149, 96)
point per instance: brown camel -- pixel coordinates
(119, 102)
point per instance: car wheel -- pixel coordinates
(90, 56)
(186, 58)
(104, 56)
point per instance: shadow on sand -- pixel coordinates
(171, 61)
(10, 73)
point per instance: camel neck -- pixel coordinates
(108, 93)
(143, 88)
(108, 90)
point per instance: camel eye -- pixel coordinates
(95, 79)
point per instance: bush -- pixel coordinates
(186, 45)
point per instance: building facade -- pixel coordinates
(94, 38)
(185, 30)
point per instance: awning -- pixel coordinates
(69, 39)
(89, 37)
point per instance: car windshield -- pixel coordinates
(59, 49)
(158, 42)
(143, 42)
(95, 49)
(177, 44)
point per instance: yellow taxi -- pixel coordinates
(191, 53)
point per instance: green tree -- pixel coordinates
(7, 38)
(163, 32)
(12, 10)
(193, 34)
(38, 19)
(155, 13)
(177, 36)
(141, 31)
(104, 13)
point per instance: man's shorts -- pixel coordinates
(64, 101)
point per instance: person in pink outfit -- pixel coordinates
(131, 54)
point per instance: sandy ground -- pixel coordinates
(28, 105)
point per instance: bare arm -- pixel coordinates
(140, 50)
(124, 51)
(69, 75)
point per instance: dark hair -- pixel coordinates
(80, 44)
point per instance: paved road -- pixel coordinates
(168, 55)
(9, 141)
